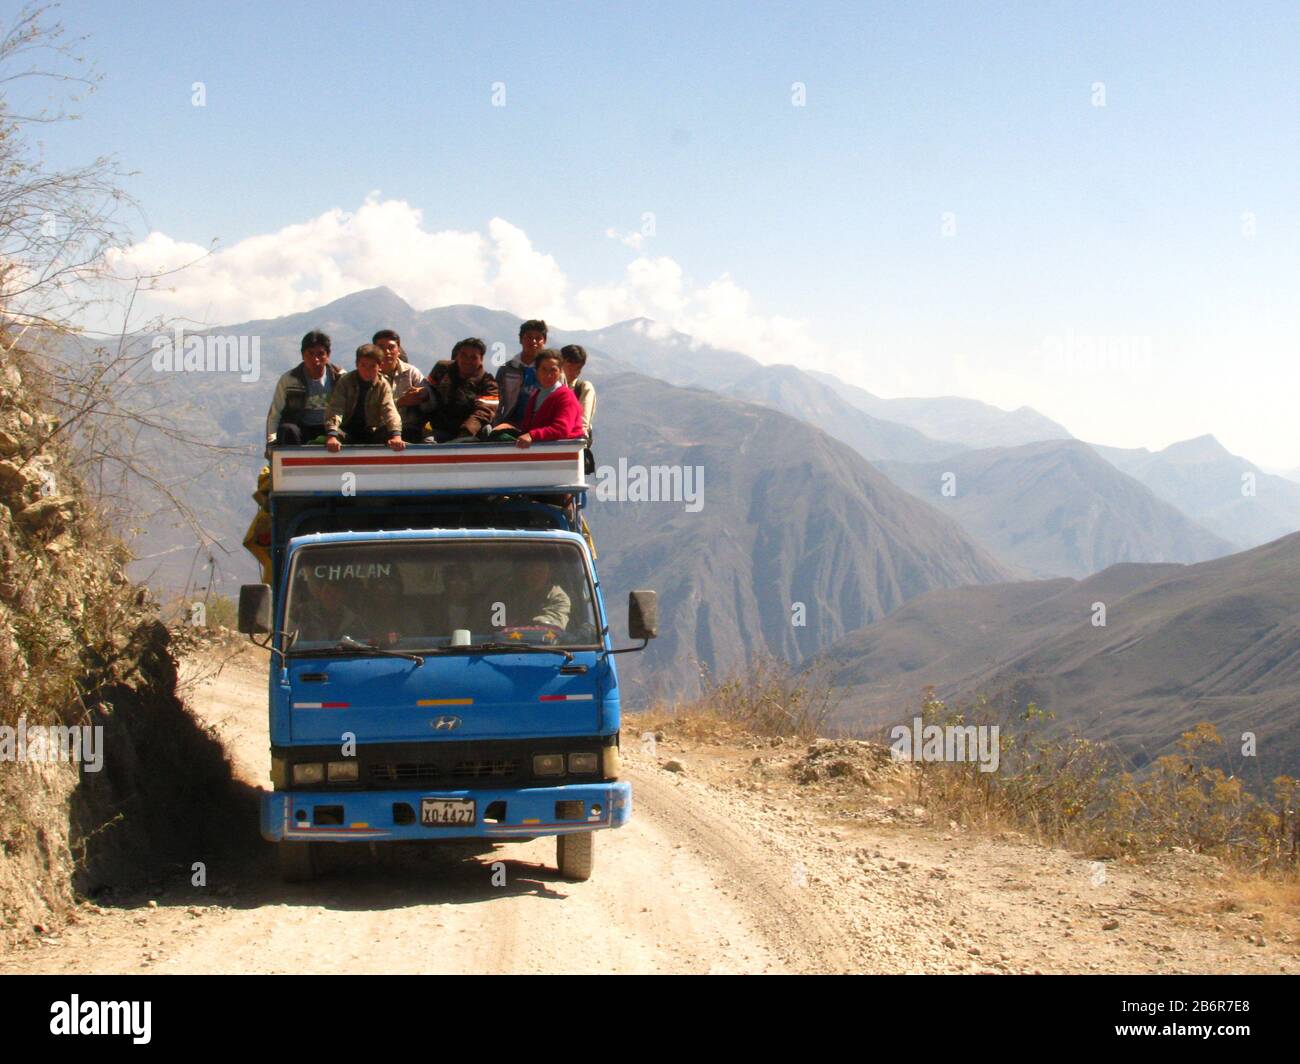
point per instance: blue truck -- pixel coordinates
(441, 663)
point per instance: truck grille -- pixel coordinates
(428, 771)
(484, 763)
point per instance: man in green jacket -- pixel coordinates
(361, 407)
(297, 413)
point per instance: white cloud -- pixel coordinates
(720, 313)
(302, 266)
(527, 282)
(633, 240)
(385, 242)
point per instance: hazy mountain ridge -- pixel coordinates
(1211, 485)
(1056, 508)
(913, 429)
(799, 394)
(968, 422)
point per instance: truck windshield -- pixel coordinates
(425, 594)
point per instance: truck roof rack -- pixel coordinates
(446, 468)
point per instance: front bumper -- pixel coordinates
(370, 816)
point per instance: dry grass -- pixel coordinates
(1067, 791)
(1075, 792)
(1270, 903)
(694, 725)
(766, 698)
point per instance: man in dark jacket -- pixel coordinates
(463, 398)
(297, 413)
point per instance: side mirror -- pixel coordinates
(255, 609)
(642, 614)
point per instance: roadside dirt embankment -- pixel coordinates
(126, 779)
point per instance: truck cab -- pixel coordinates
(441, 659)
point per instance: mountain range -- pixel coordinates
(1225, 493)
(968, 422)
(1056, 508)
(1217, 641)
(798, 540)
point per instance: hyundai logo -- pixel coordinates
(445, 723)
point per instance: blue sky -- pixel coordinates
(1163, 227)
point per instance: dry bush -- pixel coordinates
(1049, 786)
(66, 604)
(1071, 790)
(1187, 801)
(768, 697)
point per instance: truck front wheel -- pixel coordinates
(574, 854)
(297, 862)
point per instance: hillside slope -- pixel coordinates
(1216, 641)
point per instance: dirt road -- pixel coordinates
(715, 873)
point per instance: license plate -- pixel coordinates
(447, 812)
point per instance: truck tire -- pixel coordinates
(573, 854)
(297, 862)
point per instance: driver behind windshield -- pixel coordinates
(535, 598)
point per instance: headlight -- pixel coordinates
(548, 765)
(585, 763)
(308, 773)
(342, 771)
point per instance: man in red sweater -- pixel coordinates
(553, 411)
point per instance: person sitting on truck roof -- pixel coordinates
(464, 397)
(297, 413)
(517, 379)
(408, 383)
(361, 408)
(575, 358)
(552, 412)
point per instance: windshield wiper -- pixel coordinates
(521, 648)
(348, 643)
